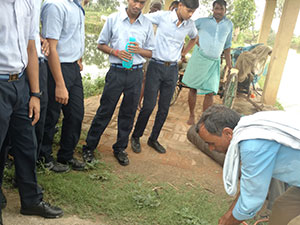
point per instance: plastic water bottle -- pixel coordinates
(128, 64)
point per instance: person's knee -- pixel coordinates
(210, 95)
(193, 91)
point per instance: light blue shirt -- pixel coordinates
(214, 37)
(261, 160)
(169, 38)
(63, 20)
(16, 29)
(117, 30)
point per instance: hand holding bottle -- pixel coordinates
(131, 50)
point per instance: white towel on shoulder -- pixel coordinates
(280, 126)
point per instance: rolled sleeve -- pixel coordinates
(258, 160)
(193, 32)
(33, 28)
(228, 39)
(106, 32)
(149, 43)
(52, 18)
(155, 17)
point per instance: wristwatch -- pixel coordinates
(36, 94)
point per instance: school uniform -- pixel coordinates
(162, 73)
(118, 81)
(17, 28)
(64, 21)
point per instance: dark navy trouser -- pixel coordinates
(159, 78)
(39, 127)
(118, 81)
(14, 119)
(73, 114)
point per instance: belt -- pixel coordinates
(10, 77)
(41, 59)
(119, 66)
(164, 62)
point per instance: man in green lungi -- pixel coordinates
(202, 74)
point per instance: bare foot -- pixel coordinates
(191, 120)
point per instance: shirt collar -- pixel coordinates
(174, 18)
(221, 21)
(124, 16)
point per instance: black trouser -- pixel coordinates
(73, 114)
(39, 127)
(14, 119)
(160, 78)
(117, 81)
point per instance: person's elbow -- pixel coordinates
(100, 47)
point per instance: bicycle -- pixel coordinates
(245, 72)
(180, 84)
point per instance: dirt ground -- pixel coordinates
(182, 164)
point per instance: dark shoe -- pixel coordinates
(87, 154)
(75, 164)
(157, 147)
(43, 209)
(57, 167)
(135, 145)
(122, 157)
(3, 200)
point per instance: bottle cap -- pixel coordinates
(132, 39)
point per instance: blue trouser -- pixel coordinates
(73, 114)
(14, 119)
(118, 81)
(159, 78)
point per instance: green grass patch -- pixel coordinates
(93, 22)
(92, 87)
(130, 199)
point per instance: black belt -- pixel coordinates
(164, 62)
(10, 77)
(119, 66)
(41, 59)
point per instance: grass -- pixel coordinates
(126, 199)
(93, 22)
(130, 199)
(92, 87)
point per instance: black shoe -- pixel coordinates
(57, 167)
(87, 154)
(75, 164)
(3, 200)
(43, 209)
(135, 145)
(157, 147)
(122, 158)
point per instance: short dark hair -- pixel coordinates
(220, 2)
(216, 118)
(191, 4)
(174, 4)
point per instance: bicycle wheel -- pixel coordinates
(230, 89)
(175, 95)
